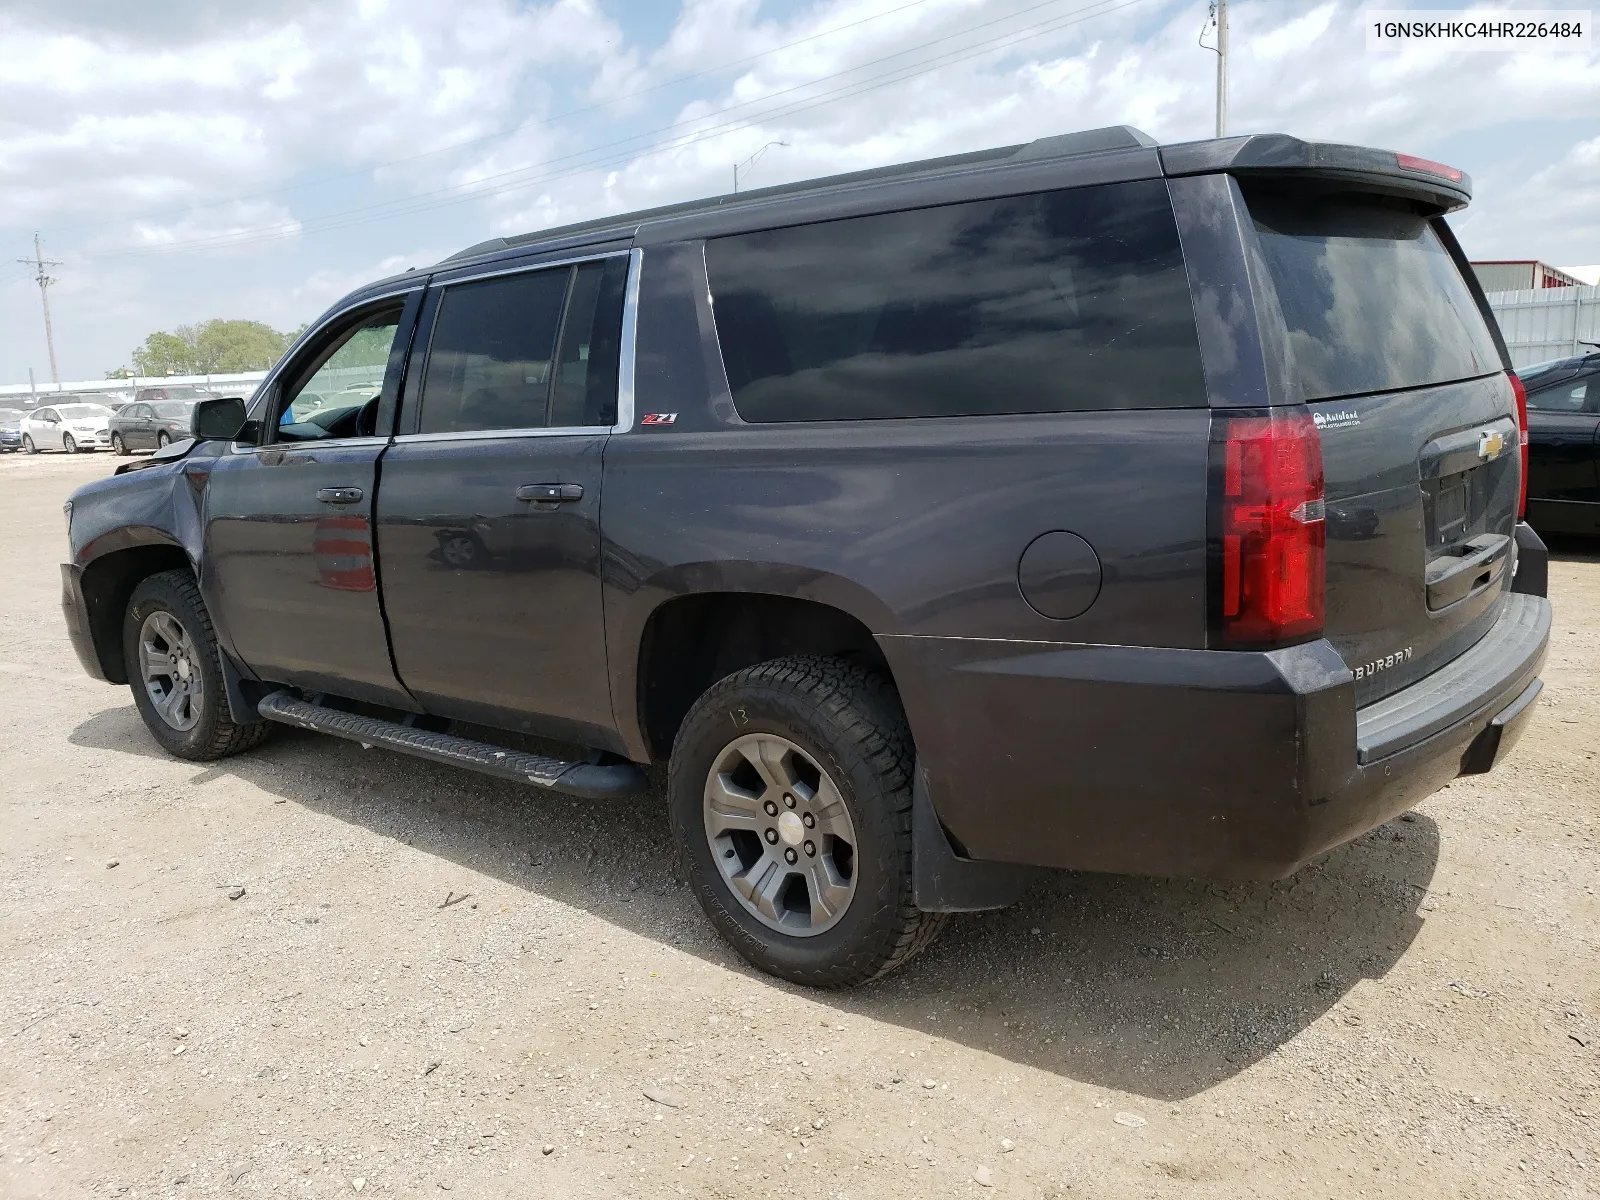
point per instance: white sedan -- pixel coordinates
(69, 427)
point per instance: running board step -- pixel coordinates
(595, 781)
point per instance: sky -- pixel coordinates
(190, 159)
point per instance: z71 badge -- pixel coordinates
(659, 418)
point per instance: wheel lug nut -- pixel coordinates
(772, 809)
(788, 799)
(811, 822)
(811, 849)
(790, 856)
(772, 837)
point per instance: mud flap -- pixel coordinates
(942, 880)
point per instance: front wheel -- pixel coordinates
(175, 670)
(162, 440)
(27, 445)
(68, 443)
(790, 798)
(118, 444)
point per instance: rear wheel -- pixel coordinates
(118, 444)
(162, 440)
(68, 443)
(28, 446)
(175, 670)
(790, 798)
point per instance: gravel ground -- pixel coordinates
(1416, 1014)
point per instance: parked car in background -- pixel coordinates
(69, 427)
(1564, 444)
(146, 425)
(10, 429)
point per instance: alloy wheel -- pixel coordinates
(68, 443)
(162, 440)
(169, 664)
(781, 834)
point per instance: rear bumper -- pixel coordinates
(76, 610)
(1196, 763)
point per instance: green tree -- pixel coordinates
(212, 347)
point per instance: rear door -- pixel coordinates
(1564, 454)
(489, 514)
(1387, 346)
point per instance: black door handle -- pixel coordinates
(550, 492)
(339, 495)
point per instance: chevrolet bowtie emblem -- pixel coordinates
(1490, 443)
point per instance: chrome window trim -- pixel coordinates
(628, 348)
(525, 268)
(484, 435)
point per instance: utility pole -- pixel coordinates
(751, 162)
(1222, 68)
(39, 262)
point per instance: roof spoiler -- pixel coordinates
(1435, 184)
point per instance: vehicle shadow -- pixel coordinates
(1156, 987)
(1566, 547)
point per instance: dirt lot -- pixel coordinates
(1415, 1015)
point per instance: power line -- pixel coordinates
(475, 189)
(39, 262)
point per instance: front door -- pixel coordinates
(289, 554)
(1564, 457)
(139, 430)
(489, 515)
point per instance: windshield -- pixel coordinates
(82, 412)
(10, 417)
(1372, 299)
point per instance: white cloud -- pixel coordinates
(112, 136)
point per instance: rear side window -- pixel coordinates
(495, 361)
(1055, 302)
(1372, 299)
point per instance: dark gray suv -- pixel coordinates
(1083, 504)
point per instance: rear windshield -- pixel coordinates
(1371, 297)
(175, 410)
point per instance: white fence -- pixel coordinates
(241, 383)
(1547, 323)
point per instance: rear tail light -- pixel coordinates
(1522, 441)
(1269, 543)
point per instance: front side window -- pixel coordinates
(1061, 301)
(339, 398)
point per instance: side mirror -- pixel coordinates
(223, 419)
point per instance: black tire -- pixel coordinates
(214, 735)
(28, 446)
(849, 720)
(162, 440)
(120, 446)
(69, 443)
